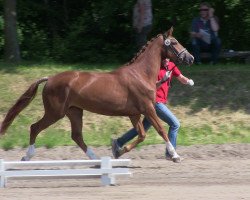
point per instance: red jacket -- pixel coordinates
(162, 91)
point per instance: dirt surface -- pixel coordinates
(220, 172)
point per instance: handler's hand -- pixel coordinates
(211, 12)
(190, 82)
(166, 76)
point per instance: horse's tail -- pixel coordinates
(20, 104)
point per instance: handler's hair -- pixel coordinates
(205, 4)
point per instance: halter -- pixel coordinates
(168, 44)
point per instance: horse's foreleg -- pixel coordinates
(75, 116)
(155, 121)
(141, 133)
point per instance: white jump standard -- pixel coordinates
(8, 170)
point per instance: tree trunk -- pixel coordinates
(11, 46)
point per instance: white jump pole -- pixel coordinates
(105, 171)
(2, 177)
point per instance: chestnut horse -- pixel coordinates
(127, 91)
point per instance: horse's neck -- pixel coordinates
(148, 63)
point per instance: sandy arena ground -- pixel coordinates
(220, 172)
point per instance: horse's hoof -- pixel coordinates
(177, 159)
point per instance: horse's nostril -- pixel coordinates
(191, 60)
(182, 57)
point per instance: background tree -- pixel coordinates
(11, 46)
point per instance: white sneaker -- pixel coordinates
(171, 158)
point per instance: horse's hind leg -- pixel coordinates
(75, 116)
(47, 120)
(141, 133)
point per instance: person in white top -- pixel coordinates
(204, 34)
(142, 21)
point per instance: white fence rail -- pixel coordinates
(102, 168)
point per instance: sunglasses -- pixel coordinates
(204, 9)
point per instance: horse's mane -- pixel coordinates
(142, 50)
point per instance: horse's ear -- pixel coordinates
(170, 31)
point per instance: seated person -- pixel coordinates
(204, 34)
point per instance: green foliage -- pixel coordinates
(85, 31)
(34, 45)
(101, 31)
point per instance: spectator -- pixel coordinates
(167, 72)
(142, 21)
(204, 34)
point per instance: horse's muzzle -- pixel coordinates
(186, 58)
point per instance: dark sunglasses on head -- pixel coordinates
(205, 9)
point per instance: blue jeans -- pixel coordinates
(199, 45)
(164, 114)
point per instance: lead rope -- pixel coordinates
(166, 77)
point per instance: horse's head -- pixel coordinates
(175, 51)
